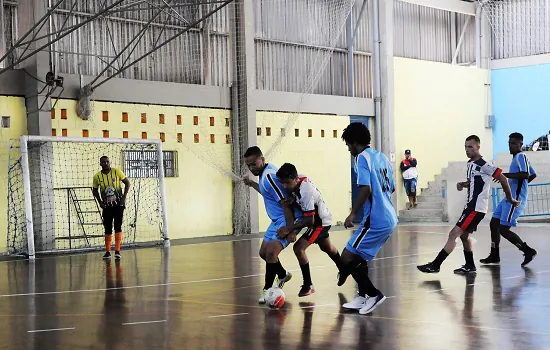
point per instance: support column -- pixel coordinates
(38, 105)
(385, 26)
(243, 112)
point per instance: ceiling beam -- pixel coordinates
(468, 8)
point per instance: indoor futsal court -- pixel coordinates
(177, 299)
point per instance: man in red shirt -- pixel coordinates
(410, 176)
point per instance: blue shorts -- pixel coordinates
(410, 186)
(271, 232)
(507, 213)
(366, 242)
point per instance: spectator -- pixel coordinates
(410, 176)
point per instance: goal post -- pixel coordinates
(51, 207)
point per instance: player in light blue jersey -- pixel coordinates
(280, 213)
(376, 185)
(506, 215)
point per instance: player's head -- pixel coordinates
(254, 160)
(472, 146)
(288, 175)
(407, 153)
(105, 163)
(357, 137)
(515, 142)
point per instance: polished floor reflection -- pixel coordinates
(204, 296)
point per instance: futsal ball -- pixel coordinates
(275, 297)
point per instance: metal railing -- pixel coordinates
(538, 201)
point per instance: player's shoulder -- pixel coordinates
(305, 184)
(98, 174)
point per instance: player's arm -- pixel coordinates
(95, 192)
(461, 185)
(404, 167)
(523, 166)
(414, 162)
(251, 183)
(308, 208)
(365, 191)
(517, 176)
(497, 174)
(362, 197)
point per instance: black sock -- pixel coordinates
(337, 260)
(361, 274)
(469, 256)
(306, 274)
(525, 248)
(270, 272)
(440, 258)
(280, 271)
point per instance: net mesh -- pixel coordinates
(66, 216)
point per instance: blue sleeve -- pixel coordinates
(275, 188)
(363, 171)
(531, 169)
(523, 164)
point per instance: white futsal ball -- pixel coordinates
(275, 297)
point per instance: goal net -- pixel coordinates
(51, 207)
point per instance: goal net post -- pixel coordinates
(51, 207)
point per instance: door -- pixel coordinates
(354, 187)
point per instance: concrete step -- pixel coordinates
(431, 191)
(420, 219)
(421, 213)
(430, 199)
(429, 205)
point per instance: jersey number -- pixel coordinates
(385, 180)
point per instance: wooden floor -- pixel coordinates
(204, 296)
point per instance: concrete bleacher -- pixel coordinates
(441, 202)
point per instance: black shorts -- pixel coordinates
(316, 234)
(469, 220)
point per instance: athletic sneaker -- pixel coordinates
(342, 277)
(428, 268)
(490, 260)
(306, 290)
(356, 304)
(465, 269)
(529, 255)
(117, 256)
(281, 282)
(107, 256)
(262, 296)
(372, 303)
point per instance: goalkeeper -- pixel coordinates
(109, 181)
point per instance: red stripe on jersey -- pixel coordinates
(497, 173)
(468, 220)
(315, 234)
(309, 213)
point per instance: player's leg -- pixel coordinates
(513, 238)
(494, 256)
(413, 191)
(108, 216)
(263, 250)
(300, 251)
(362, 247)
(435, 265)
(469, 266)
(330, 249)
(268, 237)
(274, 248)
(118, 216)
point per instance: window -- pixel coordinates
(143, 164)
(6, 122)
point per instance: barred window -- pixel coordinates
(140, 164)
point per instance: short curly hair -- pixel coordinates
(356, 133)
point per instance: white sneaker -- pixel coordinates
(281, 282)
(262, 296)
(357, 304)
(372, 303)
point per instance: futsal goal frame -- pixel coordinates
(25, 139)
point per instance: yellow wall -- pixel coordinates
(436, 107)
(324, 159)
(200, 198)
(14, 107)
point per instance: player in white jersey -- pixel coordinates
(479, 174)
(316, 217)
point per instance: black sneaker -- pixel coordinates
(465, 269)
(342, 277)
(306, 290)
(491, 259)
(428, 268)
(529, 255)
(117, 255)
(107, 256)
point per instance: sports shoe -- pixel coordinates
(342, 277)
(529, 255)
(356, 304)
(465, 269)
(306, 290)
(491, 259)
(428, 268)
(117, 256)
(107, 256)
(281, 282)
(262, 296)
(372, 303)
